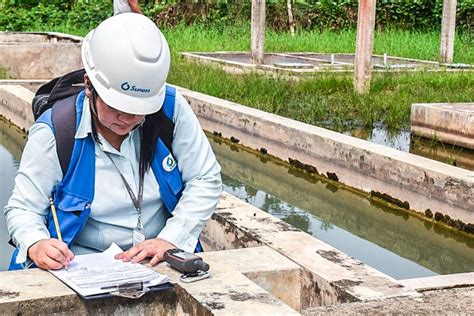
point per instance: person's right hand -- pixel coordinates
(50, 254)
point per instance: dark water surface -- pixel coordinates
(395, 243)
(11, 146)
(398, 244)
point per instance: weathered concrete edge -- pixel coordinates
(328, 53)
(65, 35)
(448, 187)
(311, 130)
(426, 119)
(227, 291)
(331, 274)
(269, 69)
(54, 34)
(15, 105)
(431, 132)
(440, 282)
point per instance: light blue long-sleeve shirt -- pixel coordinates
(113, 215)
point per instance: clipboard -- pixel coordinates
(100, 275)
(129, 290)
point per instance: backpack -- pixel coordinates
(57, 89)
(59, 95)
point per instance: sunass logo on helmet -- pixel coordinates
(126, 87)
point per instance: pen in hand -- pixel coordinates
(56, 223)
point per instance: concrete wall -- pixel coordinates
(36, 37)
(39, 56)
(15, 105)
(314, 63)
(422, 182)
(451, 123)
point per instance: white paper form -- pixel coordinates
(99, 273)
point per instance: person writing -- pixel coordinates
(123, 183)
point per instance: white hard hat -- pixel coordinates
(127, 60)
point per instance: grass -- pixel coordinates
(327, 99)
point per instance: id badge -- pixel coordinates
(138, 236)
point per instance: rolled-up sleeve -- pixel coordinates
(201, 178)
(38, 173)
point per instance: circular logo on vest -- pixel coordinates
(169, 163)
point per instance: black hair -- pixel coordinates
(149, 135)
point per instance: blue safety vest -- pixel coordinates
(73, 196)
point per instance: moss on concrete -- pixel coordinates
(5, 73)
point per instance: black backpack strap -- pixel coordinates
(166, 113)
(166, 130)
(63, 117)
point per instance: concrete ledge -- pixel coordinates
(451, 123)
(278, 63)
(442, 302)
(39, 55)
(423, 182)
(30, 84)
(440, 282)
(16, 105)
(228, 291)
(330, 276)
(40, 61)
(38, 37)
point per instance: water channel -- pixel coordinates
(395, 243)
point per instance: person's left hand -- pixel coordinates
(153, 248)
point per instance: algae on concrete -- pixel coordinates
(4, 73)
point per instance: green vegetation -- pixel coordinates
(328, 100)
(325, 100)
(17, 15)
